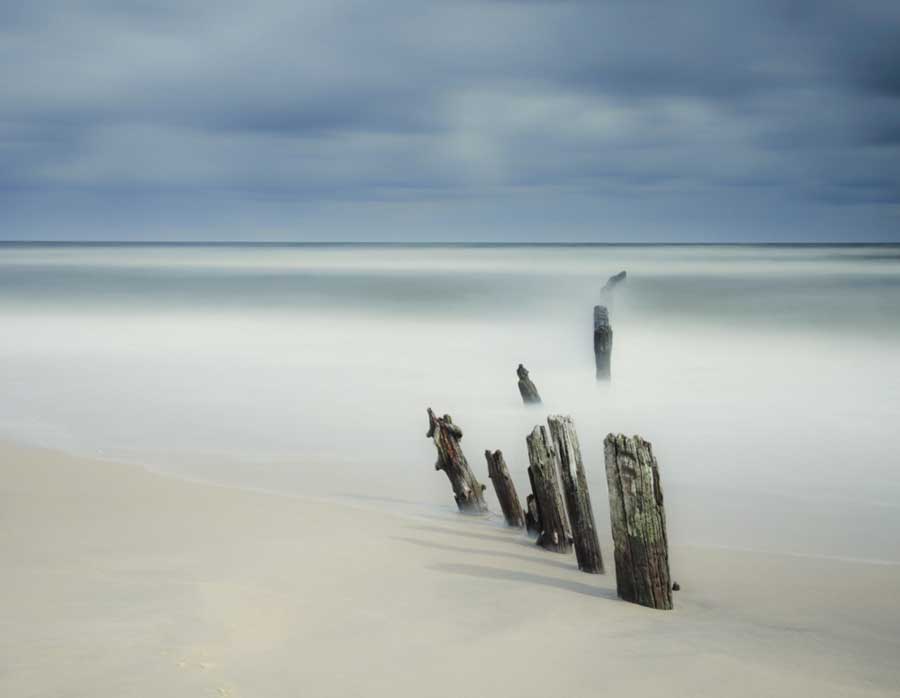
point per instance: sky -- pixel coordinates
(502, 120)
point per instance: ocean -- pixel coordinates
(766, 377)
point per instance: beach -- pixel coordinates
(514, 349)
(121, 582)
(216, 478)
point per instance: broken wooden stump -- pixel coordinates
(638, 522)
(614, 281)
(602, 342)
(555, 533)
(527, 388)
(578, 498)
(467, 491)
(532, 514)
(505, 489)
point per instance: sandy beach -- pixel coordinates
(120, 582)
(485, 349)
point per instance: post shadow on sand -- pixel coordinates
(490, 553)
(502, 537)
(374, 498)
(480, 572)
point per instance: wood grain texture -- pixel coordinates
(638, 521)
(505, 489)
(577, 496)
(467, 491)
(555, 533)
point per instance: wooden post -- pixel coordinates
(555, 533)
(638, 522)
(527, 388)
(532, 513)
(603, 337)
(614, 281)
(578, 498)
(505, 489)
(467, 491)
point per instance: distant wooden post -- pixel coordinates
(575, 489)
(603, 337)
(614, 281)
(554, 533)
(638, 522)
(505, 489)
(467, 491)
(527, 388)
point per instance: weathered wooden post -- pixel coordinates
(638, 522)
(554, 533)
(532, 513)
(468, 492)
(603, 337)
(527, 388)
(614, 281)
(505, 489)
(578, 498)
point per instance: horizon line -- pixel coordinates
(449, 243)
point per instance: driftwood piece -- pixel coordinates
(505, 489)
(578, 498)
(603, 337)
(467, 491)
(532, 514)
(614, 281)
(527, 388)
(638, 522)
(555, 533)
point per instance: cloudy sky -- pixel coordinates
(555, 120)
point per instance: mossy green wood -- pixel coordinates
(638, 521)
(555, 533)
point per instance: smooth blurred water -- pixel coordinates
(766, 377)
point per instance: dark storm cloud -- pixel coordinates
(468, 120)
